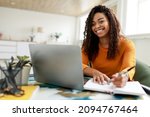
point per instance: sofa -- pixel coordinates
(142, 73)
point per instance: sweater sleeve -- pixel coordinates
(85, 60)
(129, 59)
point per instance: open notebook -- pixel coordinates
(131, 88)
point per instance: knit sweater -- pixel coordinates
(124, 59)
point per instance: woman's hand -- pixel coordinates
(99, 77)
(119, 80)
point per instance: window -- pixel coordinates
(138, 18)
(82, 25)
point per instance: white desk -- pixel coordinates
(54, 93)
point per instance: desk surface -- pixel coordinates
(29, 91)
(36, 91)
(51, 92)
(59, 93)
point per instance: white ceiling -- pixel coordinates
(65, 7)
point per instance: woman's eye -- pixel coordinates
(101, 21)
(93, 24)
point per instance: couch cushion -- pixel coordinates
(142, 73)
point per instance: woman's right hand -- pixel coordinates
(100, 77)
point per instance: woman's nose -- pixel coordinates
(97, 25)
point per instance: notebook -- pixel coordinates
(131, 88)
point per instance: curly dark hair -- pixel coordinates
(91, 41)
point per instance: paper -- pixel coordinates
(90, 85)
(131, 88)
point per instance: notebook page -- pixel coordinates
(131, 88)
(90, 85)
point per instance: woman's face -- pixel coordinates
(100, 25)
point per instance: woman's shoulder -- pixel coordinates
(125, 42)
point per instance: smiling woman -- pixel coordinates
(100, 26)
(106, 49)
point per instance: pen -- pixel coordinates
(122, 73)
(125, 72)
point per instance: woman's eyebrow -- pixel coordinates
(99, 19)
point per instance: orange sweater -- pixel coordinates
(125, 58)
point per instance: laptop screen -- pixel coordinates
(58, 65)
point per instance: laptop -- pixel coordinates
(57, 65)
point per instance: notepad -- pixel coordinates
(131, 88)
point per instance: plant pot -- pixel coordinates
(23, 76)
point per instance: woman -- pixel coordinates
(106, 49)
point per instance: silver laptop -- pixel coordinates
(58, 65)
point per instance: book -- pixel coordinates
(131, 88)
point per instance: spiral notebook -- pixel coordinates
(131, 88)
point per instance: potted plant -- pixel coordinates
(13, 75)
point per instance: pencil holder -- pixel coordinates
(11, 81)
(12, 75)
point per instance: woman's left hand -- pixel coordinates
(119, 80)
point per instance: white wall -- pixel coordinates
(142, 50)
(142, 42)
(17, 24)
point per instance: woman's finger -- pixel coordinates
(101, 79)
(106, 78)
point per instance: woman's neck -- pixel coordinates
(104, 42)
